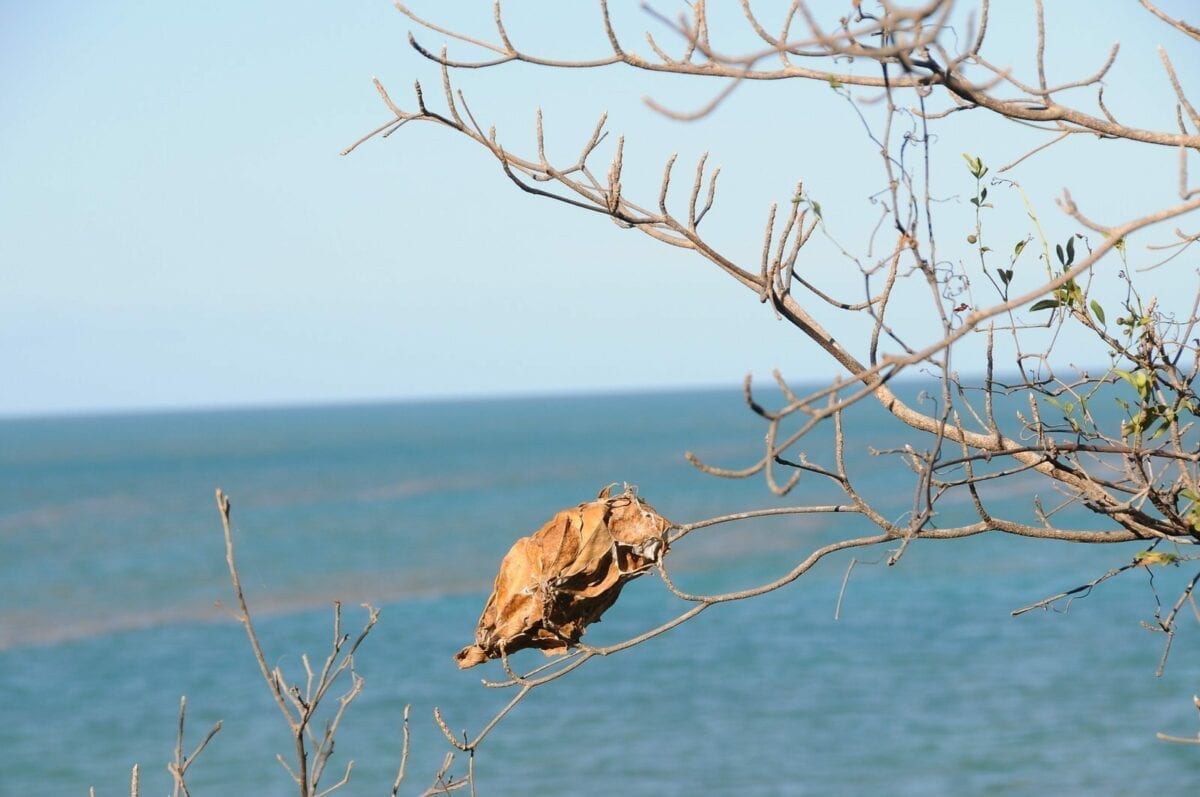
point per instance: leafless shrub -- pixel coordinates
(300, 705)
(179, 766)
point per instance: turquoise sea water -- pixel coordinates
(111, 568)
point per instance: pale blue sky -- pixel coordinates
(177, 228)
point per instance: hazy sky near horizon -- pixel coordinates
(177, 228)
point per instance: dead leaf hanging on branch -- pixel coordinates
(559, 580)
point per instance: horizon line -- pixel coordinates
(369, 401)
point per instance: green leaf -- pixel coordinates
(1070, 294)
(1058, 250)
(1148, 558)
(1020, 246)
(1044, 304)
(1097, 311)
(1128, 377)
(1189, 495)
(1071, 250)
(975, 166)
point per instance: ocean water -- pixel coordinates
(113, 592)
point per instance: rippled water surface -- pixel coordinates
(112, 568)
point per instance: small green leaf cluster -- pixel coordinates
(1192, 512)
(1149, 414)
(804, 199)
(1006, 274)
(1068, 410)
(1070, 295)
(1133, 322)
(978, 170)
(975, 165)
